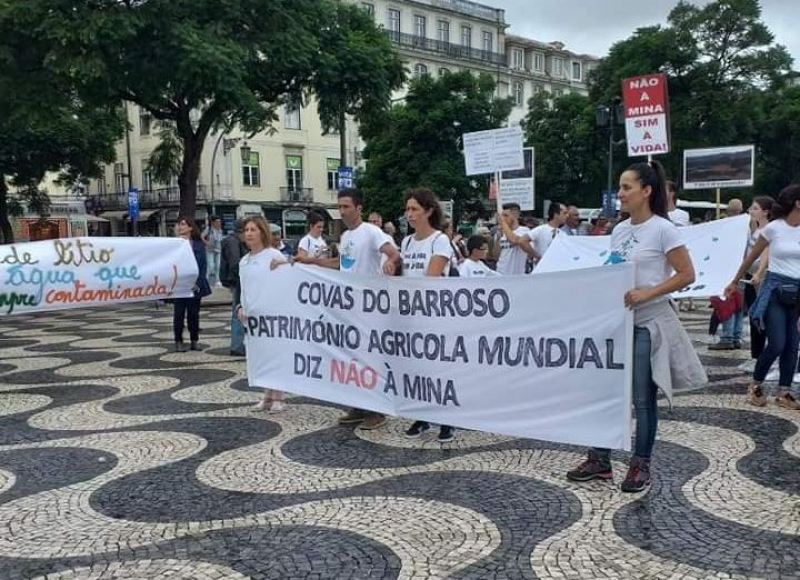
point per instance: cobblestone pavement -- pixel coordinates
(122, 459)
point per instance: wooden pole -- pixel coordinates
(718, 202)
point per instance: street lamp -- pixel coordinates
(606, 116)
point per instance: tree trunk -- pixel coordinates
(190, 171)
(342, 139)
(6, 232)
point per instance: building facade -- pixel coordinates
(294, 169)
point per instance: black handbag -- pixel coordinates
(788, 294)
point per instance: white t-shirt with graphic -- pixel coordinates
(784, 248)
(647, 244)
(542, 236)
(360, 250)
(314, 247)
(255, 262)
(512, 258)
(475, 269)
(417, 254)
(680, 217)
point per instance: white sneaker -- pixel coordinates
(277, 407)
(262, 405)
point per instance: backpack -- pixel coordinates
(451, 270)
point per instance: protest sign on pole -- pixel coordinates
(493, 151)
(79, 272)
(518, 186)
(432, 348)
(719, 167)
(646, 107)
(716, 249)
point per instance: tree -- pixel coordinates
(779, 141)
(50, 121)
(357, 72)
(418, 143)
(720, 60)
(206, 64)
(570, 152)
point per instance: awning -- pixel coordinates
(334, 213)
(145, 215)
(114, 215)
(93, 218)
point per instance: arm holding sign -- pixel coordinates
(522, 241)
(680, 261)
(393, 263)
(758, 248)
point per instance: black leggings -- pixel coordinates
(188, 308)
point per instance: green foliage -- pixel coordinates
(164, 162)
(418, 142)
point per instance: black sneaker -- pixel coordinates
(417, 428)
(638, 478)
(593, 468)
(446, 433)
(722, 345)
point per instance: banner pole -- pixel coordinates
(499, 202)
(718, 202)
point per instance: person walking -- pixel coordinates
(663, 355)
(512, 245)
(233, 249)
(361, 251)
(542, 236)
(188, 309)
(426, 252)
(212, 237)
(474, 266)
(313, 244)
(262, 255)
(759, 218)
(777, 305)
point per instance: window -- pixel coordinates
(486, 41)
(519, 94)
(576, 71)
(333, 174)
(444, 71)
(145, 120)
(558, 67)
(369, 9)
(119, 177)
(291, 119)
(466, 37)
(147, 180)
(443, 32)
(517, 58)
(537, 89)
(294, 172)
(394, 24)
(420, 69)
(251, 172)
(420, 26)
(538, 61)
(102, 188)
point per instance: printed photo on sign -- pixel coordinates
(720, 167)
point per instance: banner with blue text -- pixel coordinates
(79, 272)
(504, 355)
(716, 249)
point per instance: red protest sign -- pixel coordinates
(646, 106)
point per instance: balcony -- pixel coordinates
(151, 198)
(456, 51)
(300, 194)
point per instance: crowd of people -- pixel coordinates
(645, 232)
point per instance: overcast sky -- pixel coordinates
(592, 26)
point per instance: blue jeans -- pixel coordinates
(732, 328)
(645, 394)
(780, 324)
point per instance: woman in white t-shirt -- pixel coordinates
(426, 252)
(759, 218)
(663, 356)
(262, 255)
(777, 306)
(313, 245)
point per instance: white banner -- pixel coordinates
(79, 272)
(494, 150)
(498, 355)
(716, 249)
(518, 186)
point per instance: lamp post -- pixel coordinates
(606, 116)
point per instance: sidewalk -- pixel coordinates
(220, 296)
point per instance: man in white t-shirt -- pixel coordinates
(360, 251)
(676, 215)
(513, 243)
(542, 236)
(474, 266)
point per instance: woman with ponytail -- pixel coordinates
(777, 306)
(663, 356)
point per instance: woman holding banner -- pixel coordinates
(663, 356)
(426, 252)
(777, 306)
(258, 238)
(189, 308)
